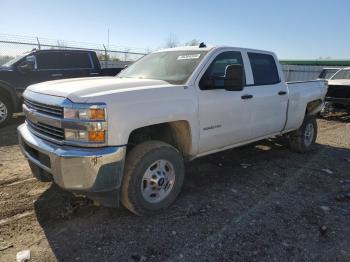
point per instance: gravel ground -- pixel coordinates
(261, 202)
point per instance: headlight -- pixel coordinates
(87, 123)
(85, 113)
(85, 135)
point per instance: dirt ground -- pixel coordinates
(261, 202)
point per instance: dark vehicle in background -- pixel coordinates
(328, 72)
(44, 65)
(338, 94)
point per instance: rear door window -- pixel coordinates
(49, 60)
(264, 69)
(77, 60)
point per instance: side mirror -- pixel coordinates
(234, 78)
(27, 65)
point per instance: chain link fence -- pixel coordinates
(109, 55)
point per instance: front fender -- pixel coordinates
(133, 110)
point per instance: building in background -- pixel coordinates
(303, 70)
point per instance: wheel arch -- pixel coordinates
(176, 133)
(313, 107)
(9, 92)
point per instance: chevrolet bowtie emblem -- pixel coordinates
(31, 116)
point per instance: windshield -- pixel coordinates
(327, 73)
(342, 74)
(174, 67)
(13, 61)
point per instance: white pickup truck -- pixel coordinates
(125, 138)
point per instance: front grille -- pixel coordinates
(47, 130)
(50, 110)
(338, 91)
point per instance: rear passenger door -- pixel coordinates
(78, 64)
(268, 98)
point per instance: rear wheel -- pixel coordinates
(5, 111)
(304, 138)
(153, 177)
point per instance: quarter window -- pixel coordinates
(264, 69)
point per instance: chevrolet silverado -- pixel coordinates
(125, 138)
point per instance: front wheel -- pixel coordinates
(5, 111)
(153, 177)
(304, 138)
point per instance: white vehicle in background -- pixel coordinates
(339, 89)
(125, 138)
(328, 72)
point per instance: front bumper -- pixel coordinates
(94, 172)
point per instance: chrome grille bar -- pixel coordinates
(56, 133)
(44, 109)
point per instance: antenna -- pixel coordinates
(202, 45)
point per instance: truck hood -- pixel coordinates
(81, 89)
(341, 82)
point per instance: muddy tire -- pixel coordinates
(5, 111)
(304, 138)
(153, 177)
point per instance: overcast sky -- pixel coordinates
(291, 28)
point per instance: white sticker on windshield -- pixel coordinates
(185, 57)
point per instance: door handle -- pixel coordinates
(247, 96)
(56, 75)
(282, 93)
(94, 74)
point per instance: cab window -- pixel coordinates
(264, 69)
(216, 70)
(49, 60)
(77, 60)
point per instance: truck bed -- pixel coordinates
(300, 93)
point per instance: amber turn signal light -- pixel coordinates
(96, 136)
(97, 114)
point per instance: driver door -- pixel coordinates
(49, 66)
(223, 115)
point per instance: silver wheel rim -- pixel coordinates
(3, 112)
(309, 134)
(158, 181)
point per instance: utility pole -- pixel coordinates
(106, 62)
(39, 45)
(108, 38)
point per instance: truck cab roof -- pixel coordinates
(58, 50)
(210, 48)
